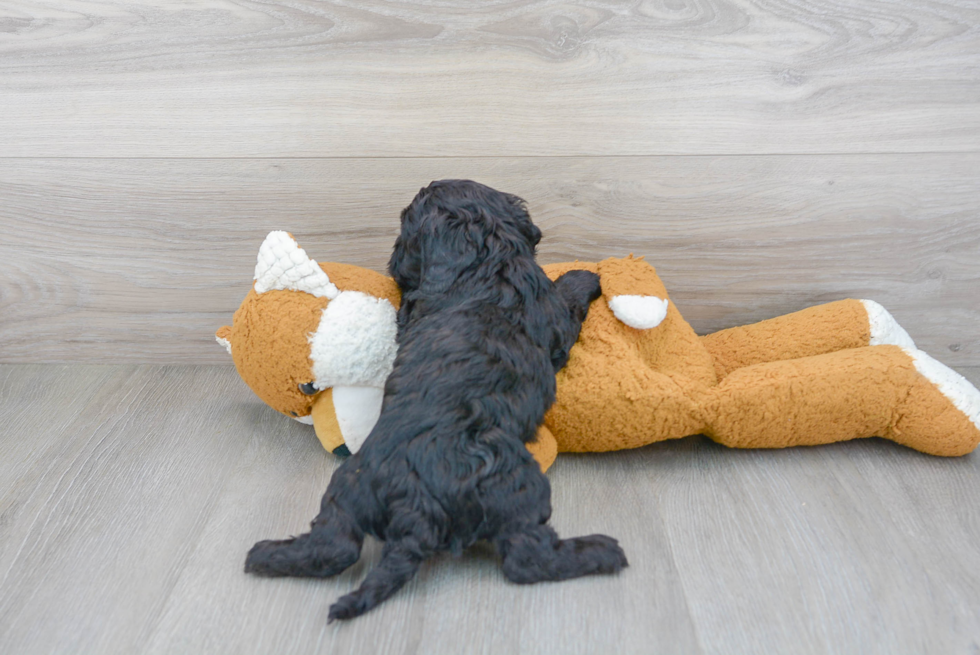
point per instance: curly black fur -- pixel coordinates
(482, 332)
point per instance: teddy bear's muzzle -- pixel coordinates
(343, 417)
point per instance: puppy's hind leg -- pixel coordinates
(536, 554)
(399, 563)
(332, 544)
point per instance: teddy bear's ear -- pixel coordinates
(283, 265)
(223, 336)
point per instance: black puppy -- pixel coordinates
(482, 332)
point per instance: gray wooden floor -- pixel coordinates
(131, 494)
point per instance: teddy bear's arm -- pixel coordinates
(633, 292)
(814, 331)
(544, 448)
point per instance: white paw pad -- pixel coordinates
(885, 330)
(640, 312)
(964, 396)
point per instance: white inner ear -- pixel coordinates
(358, 409)
(283, 265)
(223, 342)
(640, 312)
(354, 344)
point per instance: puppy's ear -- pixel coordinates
(405, 263)
(406, 257)
(534, 234)
(517, 211)
(445, 258)
(437, 242)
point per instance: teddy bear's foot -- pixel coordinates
(885, 330)
(941, 414)
(900, 394)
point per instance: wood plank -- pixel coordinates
(857, 547)
(141, 260)
(222, 78)
(39, 403)
(38, 406)
(132, 537)
(105, 521)
(868, 546)
(452, 606)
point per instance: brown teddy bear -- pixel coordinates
(317, 341)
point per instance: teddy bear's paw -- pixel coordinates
(964, 396)
(885, 330)
(640, 312)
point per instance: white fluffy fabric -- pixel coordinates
(223, 342)
(964, 396)
(358, 409)
(640, 312)
(283, 265)
(885, 330)
(354, 344)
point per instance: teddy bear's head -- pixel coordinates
(315, 342)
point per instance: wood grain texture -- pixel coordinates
(764, 156)
(221, 78)
(106, 519)
(142, 260)
(126, 533)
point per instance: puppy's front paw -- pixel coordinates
(578, 287)
(270, 558)
(347, 607)
(305, 556)
(586, 283)
(604, 552)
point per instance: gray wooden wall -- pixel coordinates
(764, 156)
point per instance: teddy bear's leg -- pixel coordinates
(814, 331)
(609, 399)
(900, 394)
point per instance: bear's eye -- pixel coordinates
(307, 388)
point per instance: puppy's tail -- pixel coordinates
(399, 563)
